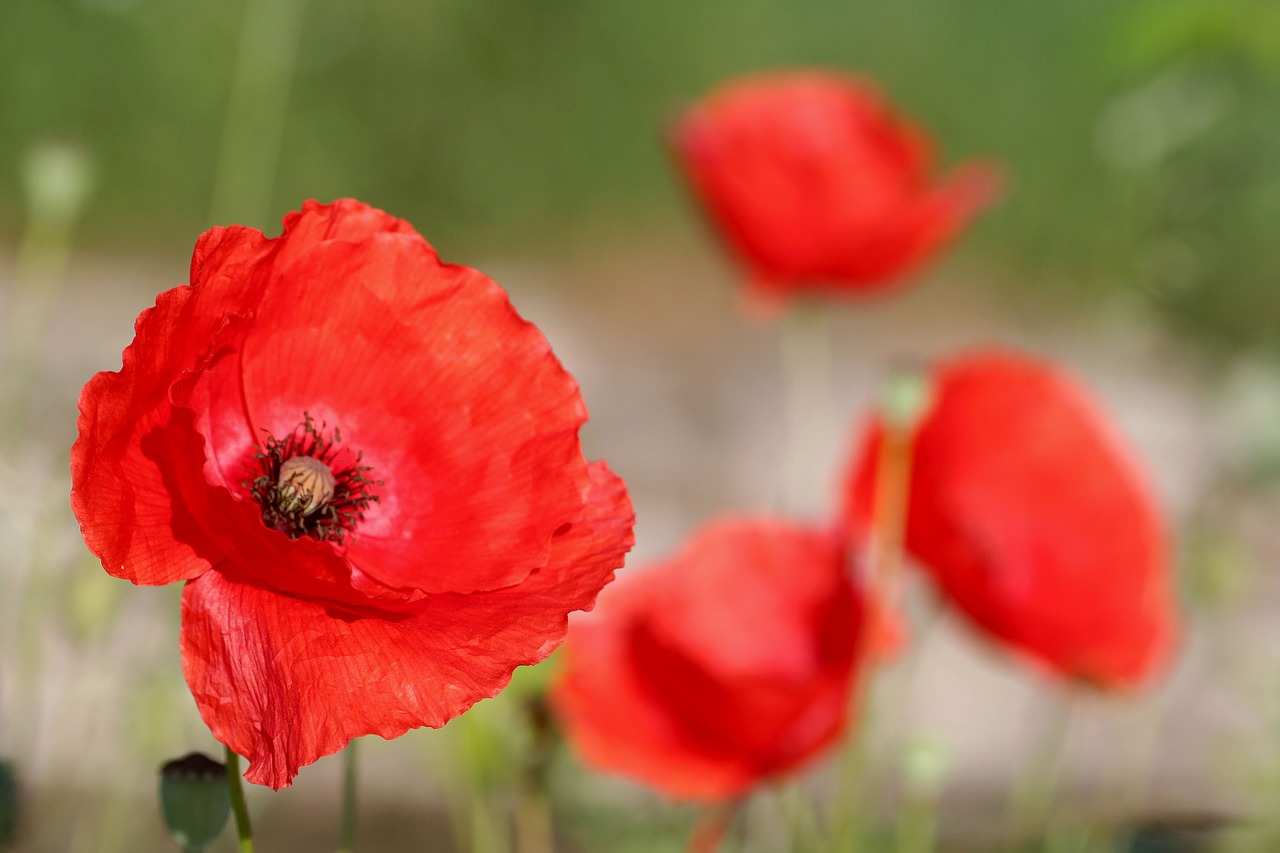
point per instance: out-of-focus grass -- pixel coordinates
(1141, 139)
(1142, 147)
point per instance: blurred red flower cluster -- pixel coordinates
(366, 468)
(1020, 504)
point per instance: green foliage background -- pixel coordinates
(1141, 139)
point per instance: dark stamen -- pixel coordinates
(294, 507)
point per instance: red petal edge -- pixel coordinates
(283, 682)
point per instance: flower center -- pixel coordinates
(308, 486)
(305, 485)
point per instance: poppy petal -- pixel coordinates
(471, 426)
(124, 459)
(1033, 520)
(283, 681)
(728, 664)
(817, 183)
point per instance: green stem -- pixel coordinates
(535, 832)
(1034, 800)
(847, 812)
(710, 831)
(800, 813)
(533, 822)
(257, 110)
(905, 396)
(893, 482)
(804, 341)
(347, 831)
(238, 806)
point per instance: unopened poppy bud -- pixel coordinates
(194, 800)
(306, 485)
(8, 805)
(925, 766)
(58, 178)
(905, 397)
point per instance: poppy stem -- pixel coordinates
(709, 832)
(1033, 802)
(892, 484)
(533, 823)
(243, 829)
(257, 110)
(805, 345)
(535, 832)
(347, 828)
(904, 399)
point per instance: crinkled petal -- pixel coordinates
(457, 404)
(123, 462)
(129, 453)
(729, 664)
(1033, 520)
(345, 220)
(283, 681)
(614, 724)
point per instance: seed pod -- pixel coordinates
(194, 800)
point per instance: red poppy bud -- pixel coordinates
(1033, 520)
(365, 465)
(728, 664)
(817, 184)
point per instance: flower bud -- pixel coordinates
(58, 177)
(905, 397)
(194, 800)
(926, 763)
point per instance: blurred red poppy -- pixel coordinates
(366, 467)
(818, 185)
(728, 664)
(1033, 520)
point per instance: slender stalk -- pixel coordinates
(800, 813)
(924, 767)
(347, 829)
(533, 822)
(917, 826)
(238, 806)
(709, 833)
(1032, 803)
(486, 835)
(893, 478)
(905, 398)
(804, 341)
(257, 110)
(847, 810)
(535, 832)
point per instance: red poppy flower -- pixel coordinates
(1033, 520)
(818, 184)
(730, 663)
(366, 467)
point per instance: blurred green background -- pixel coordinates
(1141, 138)
(1141, 145)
